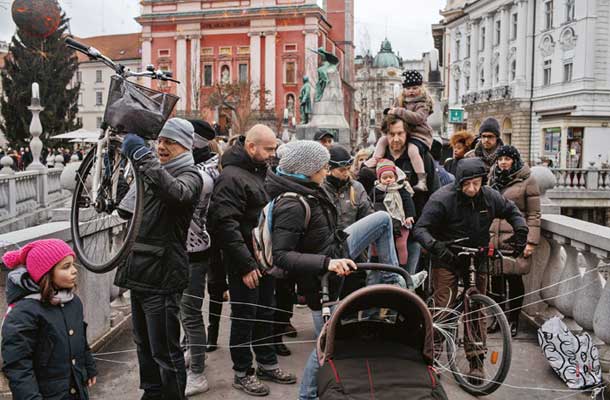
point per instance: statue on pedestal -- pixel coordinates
(329, 62)
(305, 101)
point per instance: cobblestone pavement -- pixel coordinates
(529, 377)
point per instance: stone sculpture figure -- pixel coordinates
(329, 62)
(305, 101)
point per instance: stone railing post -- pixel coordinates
(42, 187)
(35, 130)
(546, 180)
(7, 163)
(592, 182)
(59, 161)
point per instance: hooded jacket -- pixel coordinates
(158, 262)
(44, 347)
(238, 197)
(450, 214)
(524, 192)
(305, 251)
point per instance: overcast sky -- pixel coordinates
(405, 23)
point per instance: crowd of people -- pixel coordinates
(23, 157)
(331, 209)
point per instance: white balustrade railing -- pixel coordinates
(582, 179)
(27, 191)
(569, 278)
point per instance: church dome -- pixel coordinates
(386, 57)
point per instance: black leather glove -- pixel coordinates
(518, 240)
(440, 250)
(396, 227)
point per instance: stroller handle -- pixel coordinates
(367, 267)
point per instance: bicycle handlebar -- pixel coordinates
(120, 70)
(489, 251)
(367, 267)
(77, 46)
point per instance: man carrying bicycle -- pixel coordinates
(465, 209)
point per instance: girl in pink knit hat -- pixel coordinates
(44, 341)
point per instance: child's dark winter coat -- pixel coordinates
(44, 347)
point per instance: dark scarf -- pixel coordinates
(503, 178)
(489, 158)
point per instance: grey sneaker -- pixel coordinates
(419, 278)
(251, 385)
(196, 383)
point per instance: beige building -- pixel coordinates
(543, 73)
(94, 77)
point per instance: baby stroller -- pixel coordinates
(386, 358)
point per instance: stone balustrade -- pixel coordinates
(582, 179)
(568, 278)
(27, 197)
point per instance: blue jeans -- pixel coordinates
(374, 229)
(414, 250)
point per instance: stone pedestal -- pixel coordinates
(328, 113)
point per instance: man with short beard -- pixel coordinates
(489, 141)
(238, 198)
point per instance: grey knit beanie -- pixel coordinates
(304, 157)
(179, 130)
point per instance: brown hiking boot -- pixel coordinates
(251, 385)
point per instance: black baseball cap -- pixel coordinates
(322, 133)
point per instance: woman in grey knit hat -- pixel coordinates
(308, 250)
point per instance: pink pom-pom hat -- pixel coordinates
(39, 257)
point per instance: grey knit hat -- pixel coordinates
(179, 130)
(302, 157)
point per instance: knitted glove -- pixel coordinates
(134, 147)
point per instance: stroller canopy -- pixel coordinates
(412, 326)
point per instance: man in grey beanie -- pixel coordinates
(156, 271)
(308, 249)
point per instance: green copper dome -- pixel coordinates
(386, 57)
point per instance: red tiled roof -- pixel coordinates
(2, 55)
(117, 47)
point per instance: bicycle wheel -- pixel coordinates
(481, 360)
(102, 233)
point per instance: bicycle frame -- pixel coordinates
(102, 143)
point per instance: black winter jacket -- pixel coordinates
(159, 260)
(450, 215)
(238, 197)
(305, 252)
(44, 348)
